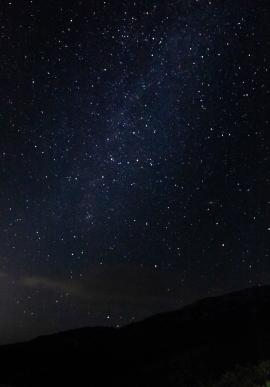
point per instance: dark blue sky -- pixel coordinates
(134, 161)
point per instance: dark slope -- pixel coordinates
(194, 344)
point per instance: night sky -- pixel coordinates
(134, 163)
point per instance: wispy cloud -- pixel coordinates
(122, 284)
(53, 285)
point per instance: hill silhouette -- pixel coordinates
(189, 347)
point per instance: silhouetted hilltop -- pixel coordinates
(181, 348)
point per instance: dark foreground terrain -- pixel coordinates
(190, 347)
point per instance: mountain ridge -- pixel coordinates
(183, 347)
(185, 308)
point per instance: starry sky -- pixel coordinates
(134, 162)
